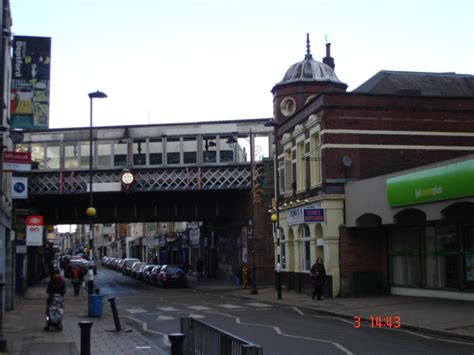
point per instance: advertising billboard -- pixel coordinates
(31, 63)
(34, 230)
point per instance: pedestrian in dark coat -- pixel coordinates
(200, 268)
(318, 274)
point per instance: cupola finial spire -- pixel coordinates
(308, 48)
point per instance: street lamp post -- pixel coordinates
(91, 211)
(253, 290)
(276, 216)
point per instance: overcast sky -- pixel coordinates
(199, 60)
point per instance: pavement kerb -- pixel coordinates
(345, 316)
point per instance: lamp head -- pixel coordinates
(91, 212)
(274, 217)
(97, 95)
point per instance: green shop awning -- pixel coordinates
(442, 183)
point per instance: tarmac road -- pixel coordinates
(279, 329)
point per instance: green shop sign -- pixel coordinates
(442, 183)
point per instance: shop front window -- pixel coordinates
(469, 257)
(306, 248)
(441, 256)
(405, 256)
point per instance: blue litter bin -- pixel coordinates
(95, 305)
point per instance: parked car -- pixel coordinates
(136, 268)
(119, 265)
(154, 274)
(141, 271)
(171, 275)
(146, 272)
(127, 265)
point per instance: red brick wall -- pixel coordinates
(361, 250)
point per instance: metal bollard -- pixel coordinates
(176, 340)
(85, 337)
(118, 327)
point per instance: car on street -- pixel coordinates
(154, 275)
(146, 273)
(136, 268)
(171, 275)
(127, 265)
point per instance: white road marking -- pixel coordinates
(167, 309)
(143, 347)
(229, 306)
(196, 316)
(135, 310)
(166, 341)
(199, 308)
(279, 332)
(161, 317)
(259, 305)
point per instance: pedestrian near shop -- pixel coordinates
(245, 275)
(318, 274)
(76, 279)
(200, 268)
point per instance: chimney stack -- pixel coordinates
(328, 59)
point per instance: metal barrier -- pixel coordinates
(205, 339)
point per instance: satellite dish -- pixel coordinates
(346, 161)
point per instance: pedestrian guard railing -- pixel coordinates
(204, 339)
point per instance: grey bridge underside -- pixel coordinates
(220, 193)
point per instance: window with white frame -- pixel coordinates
(104, 154)
(120, 153)
(52, 155)
(300, 167)
(315, 161)
(71, 155)
(288, 170)
(306, 248)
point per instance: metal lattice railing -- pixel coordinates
(163, 179)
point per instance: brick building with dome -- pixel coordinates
(328, 138)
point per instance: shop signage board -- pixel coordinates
(312, 215)
(34, 230)
(16, 161)
(299, 216)
(437, 184)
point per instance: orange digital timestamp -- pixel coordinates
(379, 322)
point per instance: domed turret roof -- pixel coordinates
(309, 70)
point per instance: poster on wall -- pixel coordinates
(34, 230)
(29, 96)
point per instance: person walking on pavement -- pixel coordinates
(200, 268)
(76, 279)
(245, 275)
(318, 274)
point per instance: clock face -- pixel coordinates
(127, 178)
(288, 106)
